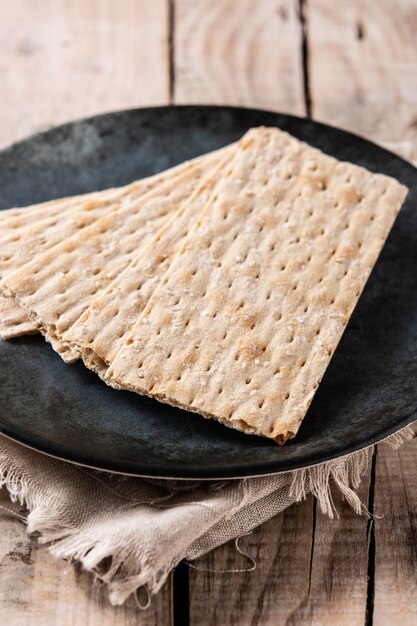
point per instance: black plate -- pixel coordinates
(368, 391)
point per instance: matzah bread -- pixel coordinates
(101, 329)
(56, 287)
(30, 231)
(246, 319)
(15, 223)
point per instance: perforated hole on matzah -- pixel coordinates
(252, 308)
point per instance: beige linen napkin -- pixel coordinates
(131, 532)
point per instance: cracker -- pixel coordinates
(23, 236)
(11, 315)
(27, 232)
(244, 323)
(101, 329)
(56, 287)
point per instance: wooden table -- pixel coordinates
(350, 63)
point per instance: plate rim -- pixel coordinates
(74, 460)
(298, 118)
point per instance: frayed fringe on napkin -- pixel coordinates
(130, 532)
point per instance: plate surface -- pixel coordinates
(368, 391)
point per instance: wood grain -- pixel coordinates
(271, 593)
(363, 69)
(337, 591)
(61, 59)
(244, 53)
(395, 594)
(310, 570)
(363, 76)
(36, 590)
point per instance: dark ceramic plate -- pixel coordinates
(368, 391)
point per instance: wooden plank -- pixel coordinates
(63, 60)
(272, 592)
(310, 570)
(338, 582)
(363, 69)
(244, 53)
(395, 593)
(37, 590)
(364, 55)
